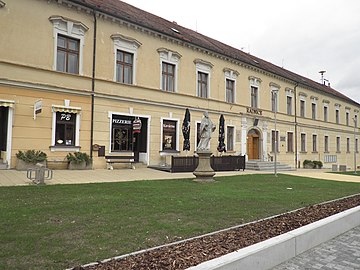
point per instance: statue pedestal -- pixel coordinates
(204, 172)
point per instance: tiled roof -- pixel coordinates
(140, 17)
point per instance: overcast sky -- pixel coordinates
(302, 36)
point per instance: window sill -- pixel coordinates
(290, 152)
(338, 152)
(58, 148)
(169, 152)
(326, 152)
(303, 152)
(314, 152)
(230, 152)
(348, 152)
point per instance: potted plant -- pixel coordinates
(78, 161)
(28, 159)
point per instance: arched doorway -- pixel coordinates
(253, 144)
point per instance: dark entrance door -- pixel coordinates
(4, 113)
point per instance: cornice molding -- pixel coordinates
(203, 62)
(127, 39)
(56, 18)
(2, 4)
(165, 50)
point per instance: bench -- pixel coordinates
(110, 160)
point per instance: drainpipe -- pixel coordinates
(93, 88)
(296, 124)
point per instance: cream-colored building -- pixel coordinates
(93, 67)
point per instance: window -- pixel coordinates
(337, 116)
(325, 113)
(202, 85)
(313, 111)
(274, 141)
(347, 118)
(124, 67)
(347, 145)
(302, 108)
(230, 91)
(169, 135)
(274, 101)
(203, 69)
(303, 142)
(169, 61)
(69, 38)
(230, 84)
(65, 129)
(254, 97)
(67, 55)
(125, 55)
(356, 120)
(65, 135)
(314, 143)
(168, 77)
(356, 145)
(289, 105)
(290, 142)
(326, 144)
(338, 144)
(230, 138)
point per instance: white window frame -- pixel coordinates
(316, 143)
(327, 112)
(277, 132)
(302, 99)
(255, 82)
(169, 57)
(338, 146)
(348, 145)
(230, 75)
(289, 93)
(233, 140)
(68, 109)
(274, 92)
(72, 29)
(287, 141)
(204, 67)
(177, 120)
(326, 150)
(347, 117)
(129, 45)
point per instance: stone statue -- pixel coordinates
(206, 128)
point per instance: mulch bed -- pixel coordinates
(196, 251)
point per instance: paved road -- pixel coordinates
(340, 253)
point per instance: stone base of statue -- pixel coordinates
(204, 172)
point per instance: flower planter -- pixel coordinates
(23, 166)
(77, 166)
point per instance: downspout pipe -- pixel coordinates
(296, 124)
(93, 87)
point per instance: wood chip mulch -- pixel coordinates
(196, 251)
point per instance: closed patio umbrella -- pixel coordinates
(221, 147)
(186, 131)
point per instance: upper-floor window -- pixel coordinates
(356, 145)
(289, 105)
(125, 50)
(230, 84)
(274, 101)
(347, 118)
(325, 113)
(67, 55)
(69, 36)
(230, 91)
(302, 108)
(203, 69)
(202, 82)
(254, 96)
(337, 116)
(169, 61)
(124, 67)
(168, 77)
(355, 120)
(313, 111)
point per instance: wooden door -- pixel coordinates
(253, 146)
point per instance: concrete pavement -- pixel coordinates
(18, 178)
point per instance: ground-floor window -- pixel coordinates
(274, 141)
(348, 145)
(303, 142)
(169, 138)
(326, 144)
(65, 129)
(338, 144)
(290, 142)
(314, 143)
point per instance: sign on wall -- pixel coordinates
(37, 107)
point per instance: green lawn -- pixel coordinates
(348, 173)
(60, 226)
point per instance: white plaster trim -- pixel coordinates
(170, 57)
(126, 44)
(204, 67)
(231, 78)
(70, 28)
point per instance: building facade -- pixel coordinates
(79, 75)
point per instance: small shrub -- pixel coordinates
(307, 163)
(32, 156)
(78, 157)
(319, 164)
